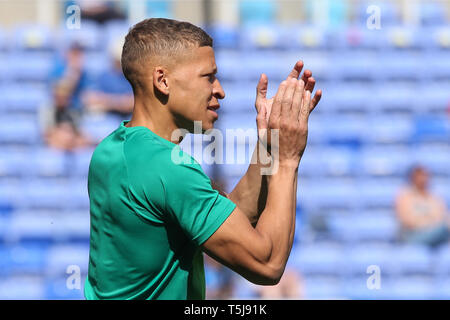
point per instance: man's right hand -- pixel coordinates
(289, 115)
(263, 105)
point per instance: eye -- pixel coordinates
(211, 77)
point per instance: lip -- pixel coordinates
(213, 110)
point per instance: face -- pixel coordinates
(194, 90)
(420, 179)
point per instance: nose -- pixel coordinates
(218, 91)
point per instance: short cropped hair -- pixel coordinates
(158, 38)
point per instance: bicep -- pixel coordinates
(243, 249)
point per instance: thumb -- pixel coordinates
(261, 88)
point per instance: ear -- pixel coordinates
(160, 80)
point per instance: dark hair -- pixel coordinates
(158, 37)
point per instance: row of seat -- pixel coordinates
(244, 65)
(256, 35)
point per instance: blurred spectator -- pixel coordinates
(111, 92)
(422, 215)
(219, 280)
(289, 287)
(100, 11)
(61, 119)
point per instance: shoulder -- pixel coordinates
(143, 150)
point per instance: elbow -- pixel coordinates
(270, 275)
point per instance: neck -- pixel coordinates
(421, 190)
(155, 117)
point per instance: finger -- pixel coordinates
(305, 106)
(297, 100)
(295, 73)
(261, 121)
(307, 74)
(286, 104)
(316, 99)
(310, 83)
(276, 106)
(261, 90)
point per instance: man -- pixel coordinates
(150, 217)
(422, 215)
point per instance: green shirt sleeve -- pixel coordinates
(191, 201)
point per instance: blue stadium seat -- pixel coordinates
(33, 37)
(413, 288)
(354, 65)
(305, 37)
(259, 37)
(56, 289)
(384, 160)
(400, 37)
(389, 11)
(229, 65)
(50, 162)
(440, 38)
(441, 288)
(30, 66)
(61, 256)
(21, 131)
(40, 228)
(412, 259)
(357, 288)
(322, 288)
(22, 287)
(361, 256)
(401, 66)
(434, 100)
(13, 98)
(28, 258)
(434, 157)
(389, 129)
(89, 36)
(431, 129)
(16, 162)
(318, 259)
(363, 227)
(113, 31)
(239, 97)
(379, 193)
(99, 126)
(356, 37)
(226, 36)
(396, 97)
(432, 13)
(437, 64)
(82, 159)
(332, 161)
(349, 98)
(441, 261)
(95, 63)
(244, 289)
(327, 194)
(10, 193)
(342, 130)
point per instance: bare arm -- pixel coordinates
(260, 253)
(250, 194)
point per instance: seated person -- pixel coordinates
(422, 215)
(60, 120)
(110, 91)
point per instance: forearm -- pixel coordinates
(277, 221)
(250, 194)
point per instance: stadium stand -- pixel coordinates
(385, 107)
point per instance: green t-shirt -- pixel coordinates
(149, 215)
